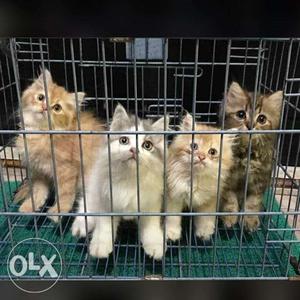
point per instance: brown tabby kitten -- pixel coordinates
(266, 116)
(63, 115)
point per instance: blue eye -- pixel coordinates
(124, 140)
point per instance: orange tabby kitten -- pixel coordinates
(63, 116)
(206, 161)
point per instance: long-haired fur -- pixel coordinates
(61, 110)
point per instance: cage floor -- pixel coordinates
(229, 254)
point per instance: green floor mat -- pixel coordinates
(264, 253)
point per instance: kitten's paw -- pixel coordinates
(154, 250)
(173, 232)
(153, 244)
(79, 226)
(205, 231)
(100, 248)
(26, 206)
(251, 223)
(229, 221)
(53, 210)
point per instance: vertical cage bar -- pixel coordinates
(77, 106)
(165, 155)
(192, 152)
(249, 156)
(108, 149)
(137, 155)
(220, 157)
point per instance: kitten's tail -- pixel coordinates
(22, 192)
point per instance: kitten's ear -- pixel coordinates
(160, 124)
(187, 122)
(120, 119)
(80, 98)
(40, 80)
(235, 93)
(275, 100)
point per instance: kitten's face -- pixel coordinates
(206, 149)
(124, 148)
(62, 105)
(238, 111)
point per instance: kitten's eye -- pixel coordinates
(194, 146)
(57, 107)
(147, 145)
(124, 140)
(41, 97)
(261, 119)
(212, 151)
(241, 114)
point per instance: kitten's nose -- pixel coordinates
(133, 151)
(201, 156)
(248, 125)
(44, 106)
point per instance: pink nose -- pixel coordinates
(44, 106)
(132, 150)
(201, 156)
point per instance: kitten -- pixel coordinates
(63, 115)
(124, 186)
(266, 116)
(206, 161)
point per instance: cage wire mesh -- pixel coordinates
(152, 78)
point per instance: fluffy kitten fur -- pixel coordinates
(63, 116)
(124, 186)
(266, 116)
(205, 177)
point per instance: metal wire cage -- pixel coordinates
(155, 77)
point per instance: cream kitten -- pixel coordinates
(206, 160)
(63, 116)
(124, 186)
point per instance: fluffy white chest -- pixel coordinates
(125, 195)
(204, 189)
(125, 192)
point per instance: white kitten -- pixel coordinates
(124, 186)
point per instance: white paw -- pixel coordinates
(55, 219)
(101, 248)
(79, 226)
(206, 230)
(154, 250)
(153, 244)
(173, 232)
(54, 210)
